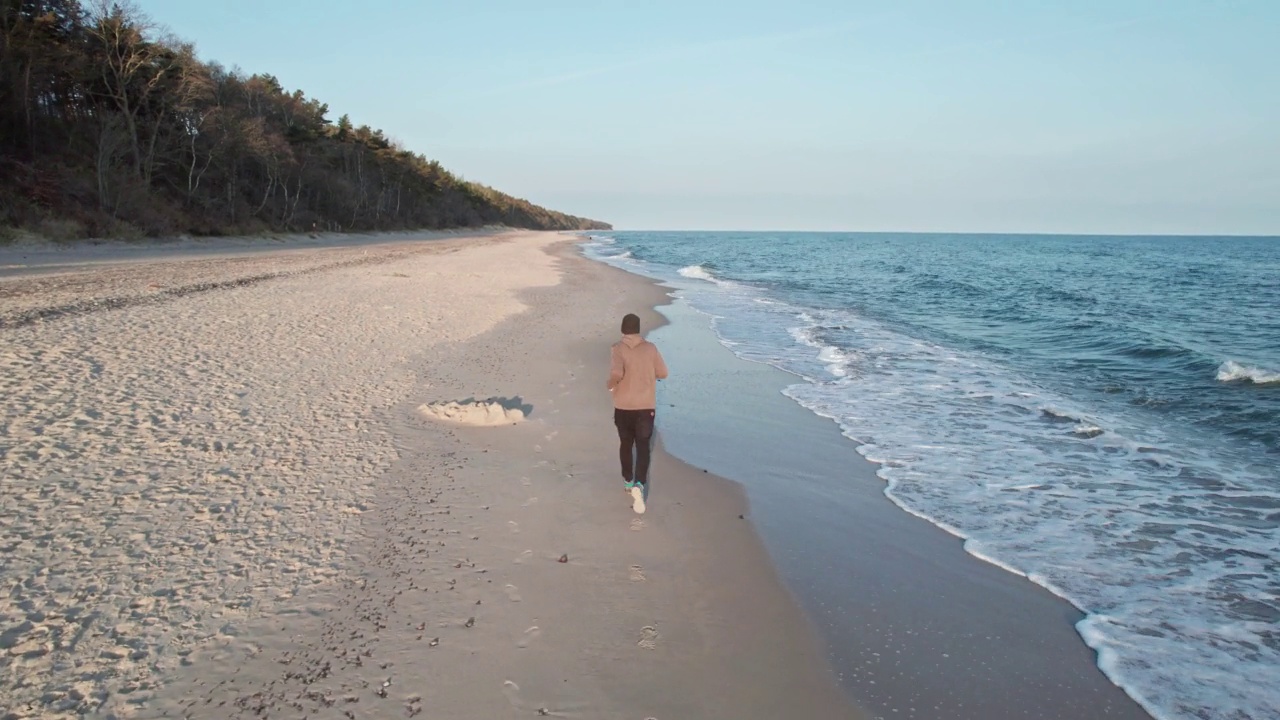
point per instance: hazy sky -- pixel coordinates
(964, 115)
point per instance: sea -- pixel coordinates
(1098, 414)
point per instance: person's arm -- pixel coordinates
(659, 365)
(615, 367)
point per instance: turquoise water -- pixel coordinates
(1100, 414)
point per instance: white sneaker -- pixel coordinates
(637, 500)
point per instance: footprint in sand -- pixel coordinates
(526, 481)
(529, 636)
(551, 436)
(637, 573)
(648, 637)
(512, 693)
(524, 557)
(513, 593)
(530, 502)
(514, 526)
(637, 524)
(537, 448)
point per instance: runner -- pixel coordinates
(634, 369)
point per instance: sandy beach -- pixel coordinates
(230, 491)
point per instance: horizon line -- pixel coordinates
(1041, 233)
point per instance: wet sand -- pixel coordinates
(914, 626)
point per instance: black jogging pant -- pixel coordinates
(635, 432)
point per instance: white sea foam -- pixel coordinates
(1168, 549)
(1232, 371)
(696, 272)
(835, 359)
(1097, 493)
(1085, 430)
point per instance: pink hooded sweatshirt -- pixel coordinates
(635, 368)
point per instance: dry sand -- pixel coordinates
(221, 499)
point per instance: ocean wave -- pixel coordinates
(1087, 431)
(833, 357)
(835, 360)
(1103, 497)
(1053, 414)
(697, 272)
(1153, 352)
(1232, 371)
(1094, 477)
(948, 286)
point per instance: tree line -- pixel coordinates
(108, 128)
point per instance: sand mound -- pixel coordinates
(494, 411)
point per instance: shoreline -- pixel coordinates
(992, 643)
(358, 555)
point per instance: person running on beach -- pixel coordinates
(635, 367)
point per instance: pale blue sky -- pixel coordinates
(1143, 116)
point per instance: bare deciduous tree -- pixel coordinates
(105, 120)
